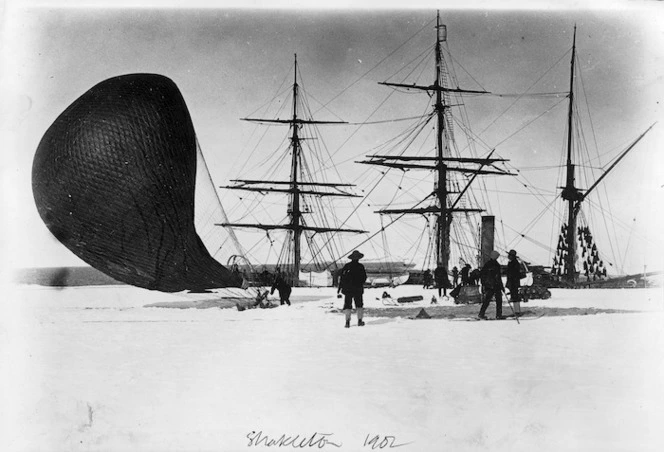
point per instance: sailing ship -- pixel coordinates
(450, 208)
(577, 258)
(303, 192)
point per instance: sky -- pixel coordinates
(229, 61)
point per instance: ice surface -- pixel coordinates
(92, 368)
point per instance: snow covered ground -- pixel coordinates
(92, 368)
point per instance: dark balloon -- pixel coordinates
(113, 179)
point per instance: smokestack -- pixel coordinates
(486, 238)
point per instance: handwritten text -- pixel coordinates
(319, 440)
(381, 442)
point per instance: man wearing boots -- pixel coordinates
(514, 280)
(492, 286)
(442, 280)
(283, 287)
(351, 284)
(465, 273)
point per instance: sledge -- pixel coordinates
(388, 300)
(466, 295)
(507, 317)
(410, 299)
(534, 292)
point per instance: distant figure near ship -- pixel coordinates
(260, 301)
(464, 274)
(351, 284)
(492, 286)
(428, 279)
(514, 280)
(474, 277)
(442, 281)
(283, 287)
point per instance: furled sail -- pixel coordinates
(114, 180)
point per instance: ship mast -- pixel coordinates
(442, 223)
(295, 213)
(570, 192)
(295, 187)
(439, 164)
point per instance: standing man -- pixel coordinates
(427, 279)
(492, 286)
(465, 270)
(441, 279)
(474, 277)
(283, 287)
(351, 284)
(514, 280)
(455, 277)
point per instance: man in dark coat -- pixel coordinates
(455, 277)
(474, 277)
(427, 279)
(514, 280)
(283, 287)
(513, 275)
(351, 284)
(442, 281)
(464, 274)
(492, 286)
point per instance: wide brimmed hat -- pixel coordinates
(495, 254)
(355, 255)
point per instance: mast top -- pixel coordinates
(294, 83)
(441, 37)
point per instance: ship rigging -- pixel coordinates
(301, 188)
(453, 173)
(577, 241)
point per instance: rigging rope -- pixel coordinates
(629, 239)
(537, 95)
(379, 63)
(524, 236)
(517, 99)
(383, 121)
(242, 154)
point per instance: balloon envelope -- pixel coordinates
(113, 179)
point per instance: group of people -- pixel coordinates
(469, 276)
(351, 283)
(440, 279)
(279, 284)
(490, 277)
(492, 283)
(353, 276)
